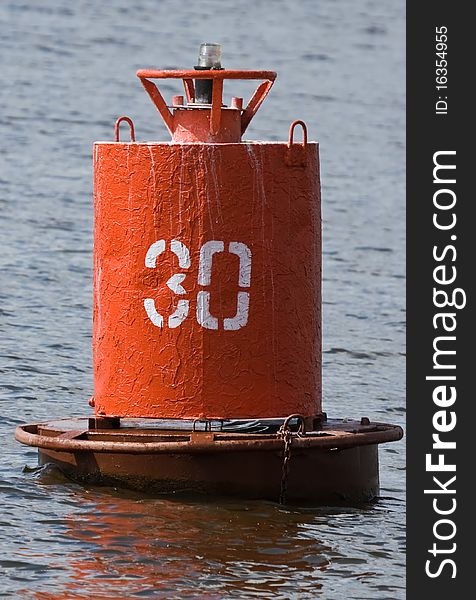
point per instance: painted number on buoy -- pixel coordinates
(203, 315)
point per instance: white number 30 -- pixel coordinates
(204, 318)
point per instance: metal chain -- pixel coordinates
(286, 435)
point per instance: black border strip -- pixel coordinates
(429, 132)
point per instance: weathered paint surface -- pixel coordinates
(207, 276)
(349, 476)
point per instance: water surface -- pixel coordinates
(67, 73)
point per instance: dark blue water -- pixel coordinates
(68, 70)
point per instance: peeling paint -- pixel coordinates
(236, 335)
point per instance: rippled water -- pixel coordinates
(67, 73)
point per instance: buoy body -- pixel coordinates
(207, 313)
(207, 262)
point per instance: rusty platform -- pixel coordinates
(338, 463)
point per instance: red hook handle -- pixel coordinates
(296, 152)
(291, 132)
(128, 120)
(217, 76)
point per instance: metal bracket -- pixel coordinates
(104, 422)
(217, 77)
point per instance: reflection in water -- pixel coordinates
(110, 543)
(136, 546)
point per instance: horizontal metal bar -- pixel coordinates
(208, 74)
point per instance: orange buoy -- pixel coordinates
(207, 262)
(207, 307)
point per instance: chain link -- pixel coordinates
(286, 436)
(285, 433)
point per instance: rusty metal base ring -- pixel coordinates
(337, 464)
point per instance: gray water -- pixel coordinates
(68, 70)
